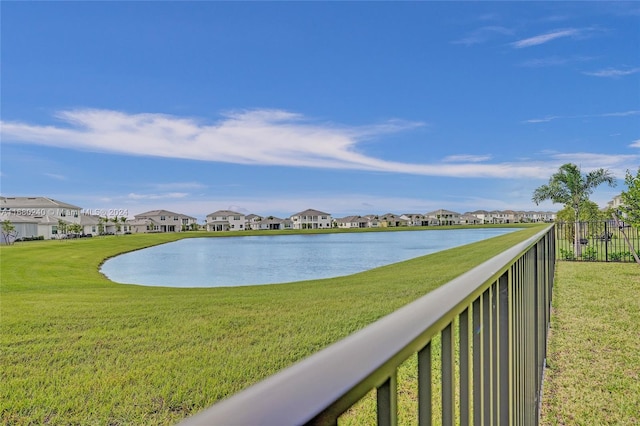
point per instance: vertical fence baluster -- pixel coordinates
(448, 379)
(494, 352)
(477, 365)
(486, 357)
(504, 363)
(463, 332)
(387, 395)
(424, 386)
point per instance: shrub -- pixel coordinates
(590, 254)
(617, 257)
(567, 254)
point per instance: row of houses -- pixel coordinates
(48, 218)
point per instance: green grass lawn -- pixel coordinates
(79, 349)
(593, 373)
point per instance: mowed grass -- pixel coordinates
(79, 349)
(593, 365)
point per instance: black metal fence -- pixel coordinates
(502, 312)
(601, 241)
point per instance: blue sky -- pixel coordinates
(345, 107)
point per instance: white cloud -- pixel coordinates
(542, 120)
(617, 164)
(466, 158)
(545, 38)
(552, 61)
(260, 137)
(557, 117)
(169, 195)
(482, 35)
(620, 114)
(635, 144)
(612, 72)
(55, 176)
(178, 185)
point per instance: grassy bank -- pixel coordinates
(79, 349)
(593, 373)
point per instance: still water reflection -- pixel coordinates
(237, 261)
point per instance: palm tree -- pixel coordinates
(571, 188)
(116, 222)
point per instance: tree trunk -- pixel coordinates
(576, 238)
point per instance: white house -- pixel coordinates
(469, 219)
(252, 220)
(373, 221)
(416, 219)
(444, 217)
(226, 220)
(45, 212)
(24, 227)
(311, 219)
(162, 221)
(271, 223)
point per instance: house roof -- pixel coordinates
(271, 219)
(311, 212)
(443, 211)
(152, 213)
(15, 218)
(35, 202)
(50, 220)
(86, 219)
(349, 219)
(225, 213)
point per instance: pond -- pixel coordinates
(239, 261)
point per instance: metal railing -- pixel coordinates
(598, 241)
(501, 309)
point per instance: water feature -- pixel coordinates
(265, 259)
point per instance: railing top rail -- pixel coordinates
(331, 380)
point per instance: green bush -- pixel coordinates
(590, 253)
(617, 257)
(567, 254)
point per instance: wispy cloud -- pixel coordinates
(558, 117)
(554, 61)
(547, 37)
(55, 176)
(258, 137)
(170, 195)
(466, 158)
(621, 114)
(613, 73)
(589, 160)
(482, 35)
(543, 120)
(173, 186)
(635, 144)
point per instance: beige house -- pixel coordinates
(351, 222)
(391, 220)
(162, 221)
